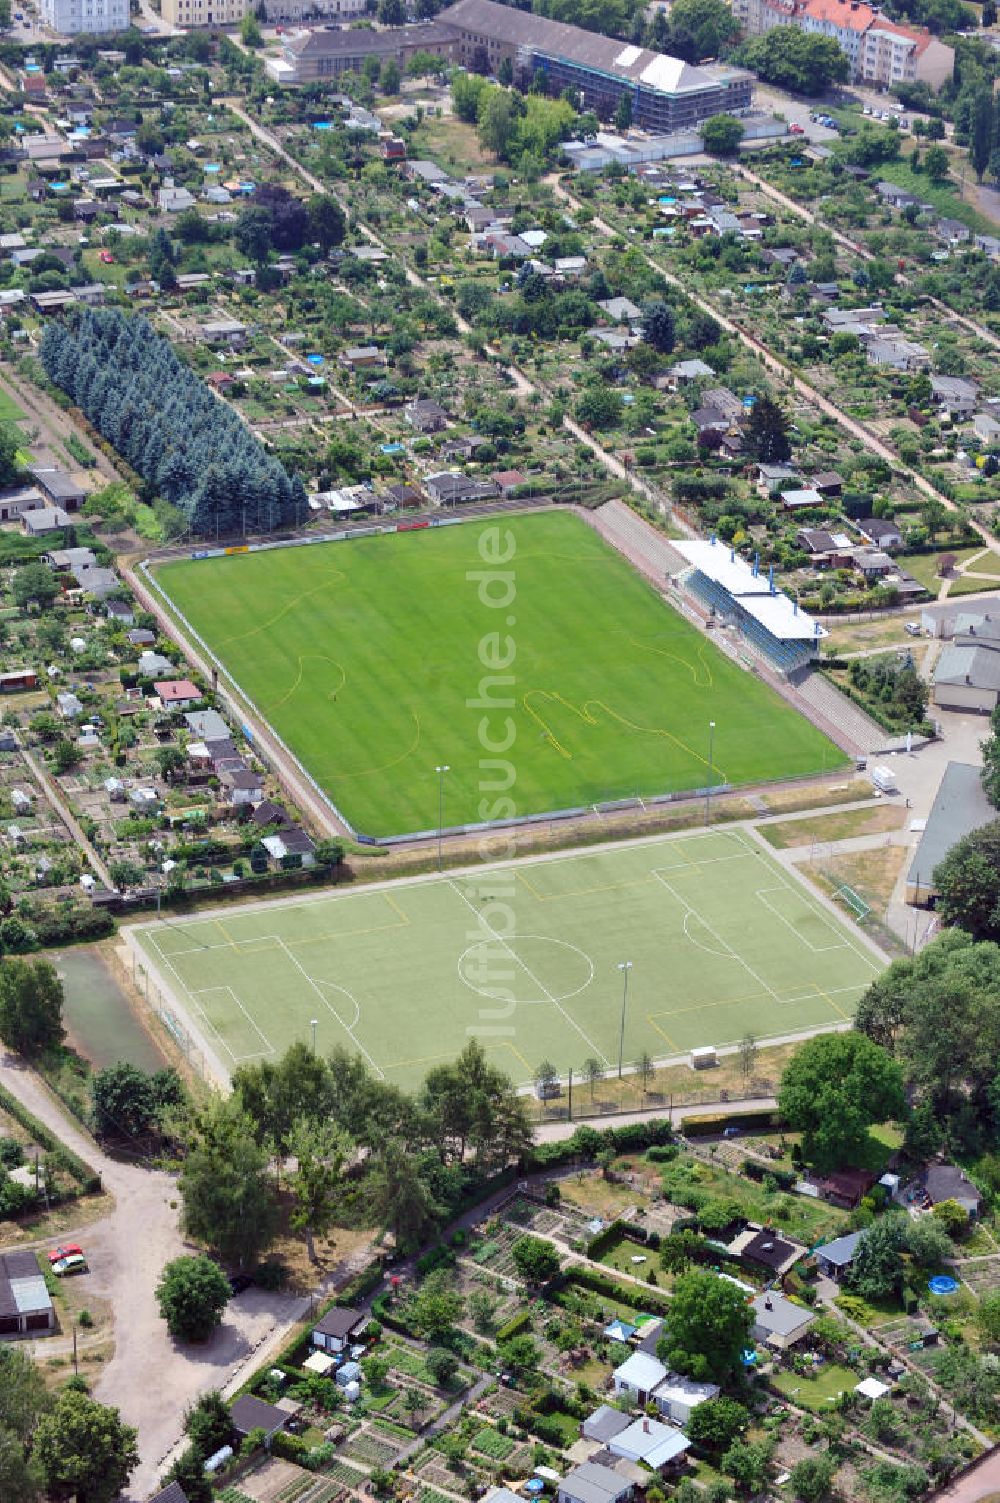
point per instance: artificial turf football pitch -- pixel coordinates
(379, 659)
(524, 956)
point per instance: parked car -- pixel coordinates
(106, 257)
(75, 1263)
(70, 1250)
(912, 629)
(238, 1282)
(795, 129)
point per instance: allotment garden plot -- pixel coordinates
(723, 941)
(378, 660)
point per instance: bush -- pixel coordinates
(88, 1181)
(437, 1257)
(515, 1326)
(714, 1126)
(11, 1153)
(271, 1274)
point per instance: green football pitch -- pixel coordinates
(376, 661)
(525, 957)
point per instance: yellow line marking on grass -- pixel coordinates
(396, 908)
(517, 1054)
(581, 892)
(814, 996)
(366, 772)
(290, 606)
(346, 935)
(304, 658)
(585, 713)
(662, 1031)
(708, 682)
(225, 933)
(835, 1005)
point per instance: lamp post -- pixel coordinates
(314, 1024)
(441, 772)
(624, 966)
(711, 772)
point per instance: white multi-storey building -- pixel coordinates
(231, 12)
(71, 17)
(882, 53)
(892, 54)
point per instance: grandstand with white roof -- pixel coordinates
(739, 595)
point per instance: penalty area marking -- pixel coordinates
(841, 944)
(238, 1058)
(349, 1030)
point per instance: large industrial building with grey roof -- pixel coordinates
(960, 807)
(666, 93)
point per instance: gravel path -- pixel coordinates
(150, 1379)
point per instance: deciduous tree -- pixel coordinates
(192, 1294)
(321, 1149)
(535, 1259)
(833, 1089)
(721, 134)
(84, 1450)
(31, 1003)
(709, 1327)
(226, 1188)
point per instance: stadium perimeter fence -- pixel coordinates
(145, 985)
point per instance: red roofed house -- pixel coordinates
(893, 54)
(509, 481)
(177, 693)
(880, 52)
(220, 380)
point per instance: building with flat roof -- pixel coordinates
(740, 595)
(666, 93)
(329, 51)
(960, 807)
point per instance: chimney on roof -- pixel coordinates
(645, 1427)
(768, 1304)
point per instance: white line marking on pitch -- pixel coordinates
(330, 1007)
(841, 944)
(530, 974)
(257, 1030)
(689, 909)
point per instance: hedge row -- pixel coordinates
(362, 1284)
(639, 1298)
(786, 1179)
(87, 1178)
(587, 1142)
(716, 1124)
(618, 1231)
(435, 1257)
(514, 1326)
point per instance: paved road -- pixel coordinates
(558, 1132)
(979, 1482)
